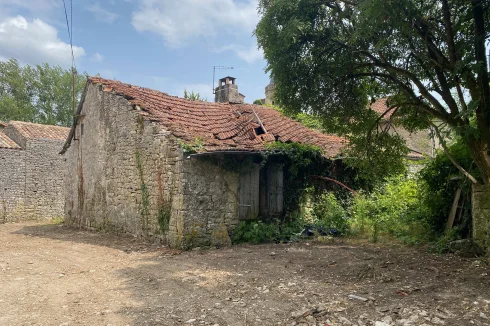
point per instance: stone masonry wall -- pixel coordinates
(31, 179)
(44, 168)
(210, 196)
(128, 175)
(12, 184)
(481, 214)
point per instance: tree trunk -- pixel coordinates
(482, 160)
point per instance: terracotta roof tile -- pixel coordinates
(39, 131)
(381, 106)
(2, 124)
(6, 142)
(221, 126)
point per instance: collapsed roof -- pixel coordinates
(219, 126)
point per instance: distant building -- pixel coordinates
(31, 171)
(421, 144)
(269, 93)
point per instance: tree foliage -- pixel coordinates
(439, 181)
(41, 94)
(333, 57)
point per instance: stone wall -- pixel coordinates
(228, 93)
(44, 171)
(128, 175)
(12, 184)
(210, 204)
(31, 179)
(480, 200)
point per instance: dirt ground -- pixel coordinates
(51, 275)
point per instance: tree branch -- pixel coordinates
(446, 151)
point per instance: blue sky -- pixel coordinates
(169, 45)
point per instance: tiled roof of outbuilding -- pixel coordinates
(381, 106)
(38, 131)
(220, 126)
(6, 142)
(3, 124)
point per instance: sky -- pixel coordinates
(168, 45)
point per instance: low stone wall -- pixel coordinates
(12, 185)
(31, 181)
(481, 214)
(44, 189)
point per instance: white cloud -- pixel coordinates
(178, 22)
(34, 42)
(102, 14)
(249, 54)
(97, 57)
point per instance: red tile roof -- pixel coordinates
(6, 142)
(381, 106)
(220, 126)
(38, 131)
(3, 124)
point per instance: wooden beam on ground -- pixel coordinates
(454, 210)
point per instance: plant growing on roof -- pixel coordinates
(194, 96)
(191, 148)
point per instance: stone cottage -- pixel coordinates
(31, 171)
(142, 162)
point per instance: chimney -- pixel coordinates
(227, 92)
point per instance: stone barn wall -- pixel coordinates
(31, 179)
(12, 184)
(129, 175)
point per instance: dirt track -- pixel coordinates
(50, 275)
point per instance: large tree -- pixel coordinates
(332, 57)
(41, 94)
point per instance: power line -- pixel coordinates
(69, 27)
(70, 30)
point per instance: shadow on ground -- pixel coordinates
(279, 284)
(64, 233)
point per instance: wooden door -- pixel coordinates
(275, 197)
(249, 192)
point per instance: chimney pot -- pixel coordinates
(227, 92)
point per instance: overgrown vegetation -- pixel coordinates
(411, 208)
(193, 147)
(395, 209)
(440, 181)
(300, 162)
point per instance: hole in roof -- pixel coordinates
(259, 131)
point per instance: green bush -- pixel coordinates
(440, 180)
(330, 214)
(256, 231)
(395, 209)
